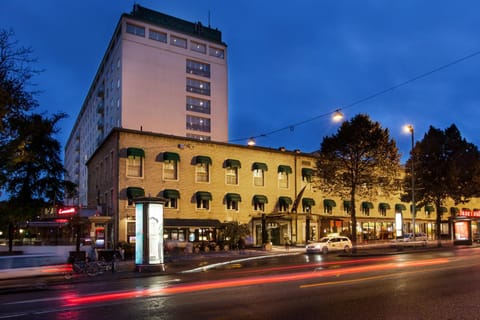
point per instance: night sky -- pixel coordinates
(291, 63)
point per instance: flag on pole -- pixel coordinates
(297, 200)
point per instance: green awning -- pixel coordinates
(347, 204)
(171, 156)
(454, 211)
(259, 166)
(443, 210)
(329, 203)
(233, 197)
(203, 195)
(134, 192)
(400, 207)
(383, 206)
(203, 160)
(260, 199)
(367, 205)
(232, 163)
(285, 169)
(429, 208)
(285, 200)
(136, 152)
(308, 202)
(307, 172)
(171, 194)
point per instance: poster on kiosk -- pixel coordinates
(149, 232)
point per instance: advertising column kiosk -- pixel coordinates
(149, 255)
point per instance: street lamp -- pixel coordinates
(409, 128)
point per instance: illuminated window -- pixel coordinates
(259, 202)
(198, 68)
(203, 200)
(217, 52)
(231, 171)
(198, 105)
(232, 200)
(135, 162)
(198, 123)
(198, 86)
(259, 169)
(198, 47)
(170, 165)
(283, 172)
(202, 166)
(178, 42)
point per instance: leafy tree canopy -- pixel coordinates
(360, 159)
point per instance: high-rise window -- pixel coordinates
(198, 86)
(198, 123)
(198, 68)
(198, 47)
(198, 105)
(178, 42)
(157, 36)
(136, 30)
(217, 52)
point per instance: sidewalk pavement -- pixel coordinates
(29, 278)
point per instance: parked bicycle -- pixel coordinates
(90, 268)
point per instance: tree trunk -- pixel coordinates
(438, 223)
(10, 236)
(354, 221)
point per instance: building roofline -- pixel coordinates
(153, 17)
(117, 130)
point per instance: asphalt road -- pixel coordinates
(437, 284)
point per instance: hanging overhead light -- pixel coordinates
(251, 142)
(337, 116)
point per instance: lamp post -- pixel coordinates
(410, 129)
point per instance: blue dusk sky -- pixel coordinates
(291, 63)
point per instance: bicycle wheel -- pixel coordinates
(92, 269)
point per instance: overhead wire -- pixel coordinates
(291, 127)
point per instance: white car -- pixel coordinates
(327, 244)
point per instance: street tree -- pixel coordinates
(446, 166)
(31, 170)
(16, 100)
(359, 160)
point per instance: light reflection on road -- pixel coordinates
(346, 269)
